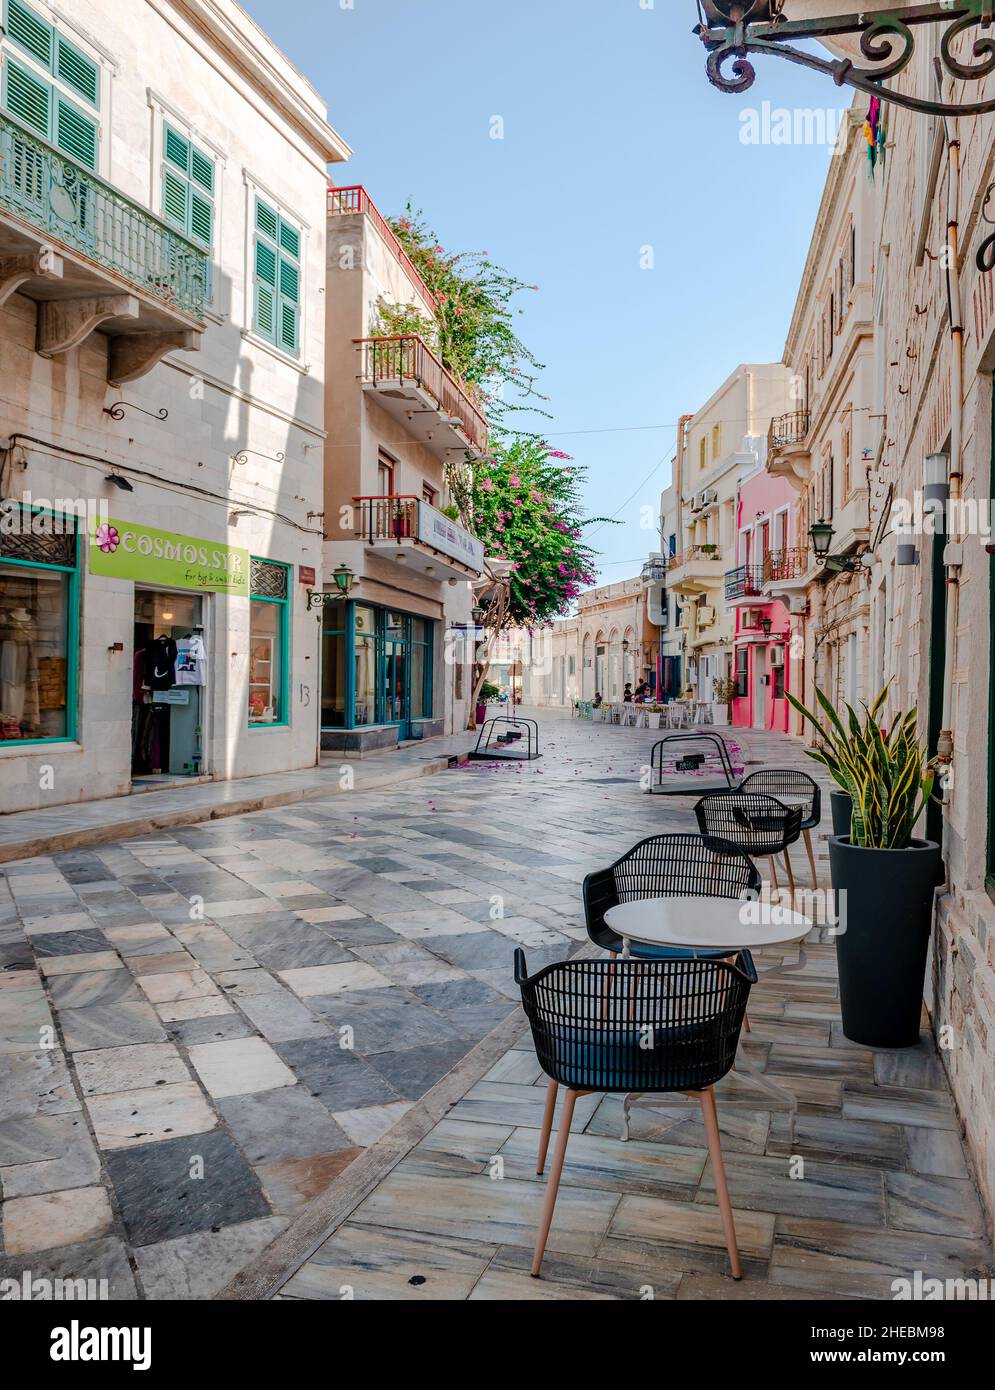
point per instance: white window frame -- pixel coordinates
(255, 187)
(97, 55)
(163, 114)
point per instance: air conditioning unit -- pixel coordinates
(706, 616)
(696, 503)
(709, 496)
(777, 656)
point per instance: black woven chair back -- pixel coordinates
(628, 1025)
(790, 785)
(676, 864)
(760, 824)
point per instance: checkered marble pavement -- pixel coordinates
(200, 1030)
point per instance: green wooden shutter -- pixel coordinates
(174, 199)
(176, 149)
(265, 312)
(30, 32)
(76, 134)
(201, 218)
(266, 263)
(267, 221)
(288, 326)
(202, 169)
(290, 239)
(77, 71)
(28, 99)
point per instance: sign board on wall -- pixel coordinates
(306, 575)
(125, 550)
(437, 530)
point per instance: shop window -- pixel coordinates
(333, 666)
(777, 676)
(421, 669)
(38, 627)
(268, 641)
(742, 672)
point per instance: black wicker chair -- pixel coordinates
(621, 1026)
(798, 788)
(663, 866)
(759, 824)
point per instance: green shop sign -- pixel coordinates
(122, 550)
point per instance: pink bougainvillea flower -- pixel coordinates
(107, 538)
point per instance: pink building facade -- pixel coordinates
(762, 644)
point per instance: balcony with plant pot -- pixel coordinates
(698, 567)
(93, 260)
(413, 533)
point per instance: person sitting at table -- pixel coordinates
(597, 699)
(627, 693)
(641, 693)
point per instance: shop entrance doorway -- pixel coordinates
(167, 687)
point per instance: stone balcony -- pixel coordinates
(93, 260)
(698, 567)
(417, 535)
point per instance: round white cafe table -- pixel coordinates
(706, 924)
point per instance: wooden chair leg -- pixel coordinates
(791, 877)
(773, 874)
(553, 1182)
(711, 1118)
(547, 1124)
(811, 857)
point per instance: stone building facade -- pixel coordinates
(162, 246)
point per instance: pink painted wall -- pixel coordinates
(767, 496)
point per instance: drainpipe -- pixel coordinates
(952, 551)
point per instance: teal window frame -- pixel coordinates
(990, 844)
(195, 181)
(283, 638)
(277, 276)
(39, 53)
(349, 633)
(72, 640)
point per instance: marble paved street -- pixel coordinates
(202, 1029)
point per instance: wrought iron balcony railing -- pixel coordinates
(693, 552)
(408, 518)
(746, 581)
(787, 429)
(75, 209)
(792, 563)
(408, 358)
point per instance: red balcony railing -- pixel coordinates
(786, 564)
(353, 199)
(408, 358)
(386, 518)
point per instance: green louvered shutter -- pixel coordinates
(30, 32)
(77, 71)
(174, 199)
(176, 149)
(202, 169)
(76, 134)
(267, 221)
(201, 218)
(278, 280)
(27, 99)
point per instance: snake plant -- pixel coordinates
(886, 774)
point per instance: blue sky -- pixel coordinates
(614, 141)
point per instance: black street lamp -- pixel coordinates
(732, 29)
(765, 626)
(821, 535)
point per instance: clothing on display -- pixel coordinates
(191, 660)
(19, 702)
(160, 664)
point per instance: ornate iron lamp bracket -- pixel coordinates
(887, 42)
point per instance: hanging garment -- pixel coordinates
(191, 661)
(160, 664)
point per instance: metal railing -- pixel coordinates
(74, 208)
(654, 570)
(397, 517)
(354, 199)
(386, 518)
(693, 552)
(787, 429)
(746, 581)
(792, 563)
(408, 358)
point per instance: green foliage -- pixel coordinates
(473, 331)
(886, 774)
(524, 504)
(488, 691)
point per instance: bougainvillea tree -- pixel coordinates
(524, 504)
(473, 326)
